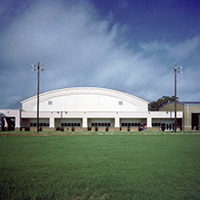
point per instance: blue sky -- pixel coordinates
(122, 45)
(171, 21)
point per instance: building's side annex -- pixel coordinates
(191, 114)
(89, 108)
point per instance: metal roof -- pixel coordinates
(189, 102)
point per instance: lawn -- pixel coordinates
(100, 167)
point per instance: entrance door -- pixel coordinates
(195, 121)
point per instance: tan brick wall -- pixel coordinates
(170, 107)
(187, 113)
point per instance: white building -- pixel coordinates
(88, 109)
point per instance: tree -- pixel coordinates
(156, 105)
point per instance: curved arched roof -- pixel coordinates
(78, 96)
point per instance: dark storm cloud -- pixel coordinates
(79, 49)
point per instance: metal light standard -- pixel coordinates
(175, 69)
(37, 68)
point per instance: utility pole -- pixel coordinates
(175, 69)
(38, 68)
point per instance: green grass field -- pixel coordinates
(100, 167)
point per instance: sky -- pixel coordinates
(125, 45)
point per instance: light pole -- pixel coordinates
(37, 68)
(175, 69)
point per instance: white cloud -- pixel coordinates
(155, 46)
(176, 51)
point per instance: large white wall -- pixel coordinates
(86, 102)
(86, 99)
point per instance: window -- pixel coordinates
(120, 103)
(40, 124)
(156, 124)
(71, 124)
(100, 124)
(50, 102)
(130, 124)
